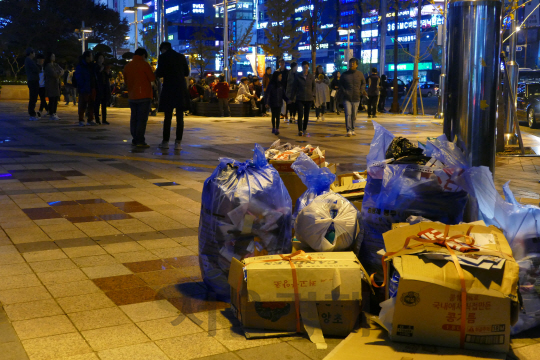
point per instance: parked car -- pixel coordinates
(429, 89)
(528, 103)
(402, 88)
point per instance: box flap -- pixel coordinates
(236, 273)
(324, 277)
(492, 239)
(501, 283)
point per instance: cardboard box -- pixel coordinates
(329, 287)
(374, 343)
(428, 301)
(348, 186)
(294, 185)
(285, 165)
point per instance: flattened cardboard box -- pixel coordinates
(330, 287)
(428, 302)
(346, 186)
(375, 344)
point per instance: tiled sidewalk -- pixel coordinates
(98, 252)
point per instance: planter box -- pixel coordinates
(15, 92)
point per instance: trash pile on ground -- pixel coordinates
(288, 151)
(450, 263)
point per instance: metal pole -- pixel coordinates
(225, 41)
(416, 80)
(442, 77)
(136, 29)
(512, 67)
(382, 34)
(83, 34)
(471, 96)
(157, 8)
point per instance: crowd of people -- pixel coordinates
(287, 94)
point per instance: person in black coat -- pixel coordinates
(103, 89)
(275, 95)
(173, 68)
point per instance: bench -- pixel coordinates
(237, 110)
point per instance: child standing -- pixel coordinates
(274, 99)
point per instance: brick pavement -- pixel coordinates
(98, 241)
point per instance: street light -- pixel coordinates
(135, 10)
(82, 33)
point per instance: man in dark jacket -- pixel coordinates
(86, 85)
(304, 92)
(103, 89)
(352, 84)
(173, 68)
(32, 79)
(374, 83)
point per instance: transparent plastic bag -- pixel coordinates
(529, 289)
(380, 143)
(245, 211)
(328, 223)
(316, 179)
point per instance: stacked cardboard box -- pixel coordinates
(351, 186)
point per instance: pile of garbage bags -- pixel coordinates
(246, 211)
(288, 151)
(404, 180)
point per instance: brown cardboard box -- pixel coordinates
(345, 186)
(285, 165)
(428, 301)
(329, 287)
(373, 343)
(294, 185)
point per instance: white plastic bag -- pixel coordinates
(328, 223)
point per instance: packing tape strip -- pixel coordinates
(310, 318)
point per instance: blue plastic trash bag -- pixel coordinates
(245, 211)
(316, 179)
(395, 192)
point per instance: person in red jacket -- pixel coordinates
(222, 90)
(138, 77)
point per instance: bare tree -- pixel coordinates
(236, 48)
(203, 50)
(281, 35)
(314, 14)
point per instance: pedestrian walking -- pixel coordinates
(71, 91)
(291, 104)
(40, 60)
(319, 71)
(352, 84)
(53, 74)
(138, 77)
(266, 78)
(334, 88)
(285, 75)
(322, 96)
(103, 89)
(383, 93)
(374, 83)
(304, 91)
(275, 95)
(222, 89)
(85, 78)
(32, 80)
(244, 95)
(173, 68)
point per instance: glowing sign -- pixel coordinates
(410, 66)
(308, 47)
(172, 9)
(170, 37)
(327, 26)
(370, 33)
(370, 56)
(148, 16)
(406, 38)
(304, 8)
(198, 8)
(434, 21)
(262, 25)
(370, 20)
